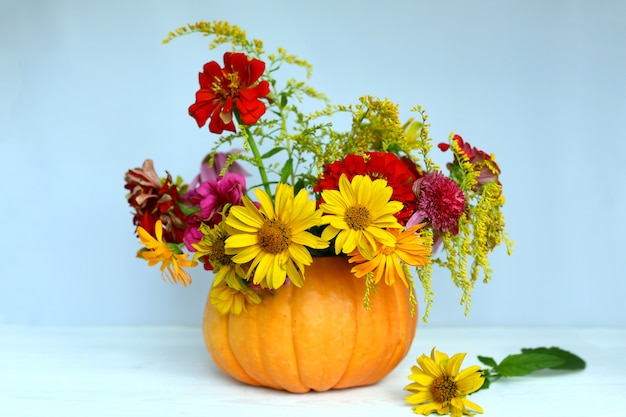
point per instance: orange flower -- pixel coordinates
(234, 85)
(156, 250)
(387, 262)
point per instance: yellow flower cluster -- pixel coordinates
(268, 244)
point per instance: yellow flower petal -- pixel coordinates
(454, 363)
(472, 405)
(245, 255)
(267, 207)
(429, 366)
(241, 240)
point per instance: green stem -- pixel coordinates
(257, 155)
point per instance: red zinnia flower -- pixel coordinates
(440, 200)
(399, 174)
(221, 88)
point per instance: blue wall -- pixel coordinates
(88, 91)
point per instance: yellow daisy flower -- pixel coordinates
(440, 387)
(172, 264)
(359, 213)
(212, 246)
(229, 300)
(274, 239)
(387, 262)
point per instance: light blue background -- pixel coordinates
(88, 91)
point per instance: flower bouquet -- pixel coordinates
(313, 266)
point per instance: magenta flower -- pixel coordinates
(208, 172)
(211, 197)
(440, 201)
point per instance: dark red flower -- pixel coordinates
(482, 161)
(399, 174)
(237, 84)
(440, 200)
(155, 199)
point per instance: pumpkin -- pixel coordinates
(317, 337)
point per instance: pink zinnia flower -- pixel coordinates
(440, 200)
(211, 197)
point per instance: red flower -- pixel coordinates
(482, 161)
(400, 175)
(154, 199)
(439, 200)
(221, 88)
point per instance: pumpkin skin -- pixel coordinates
(317, 337)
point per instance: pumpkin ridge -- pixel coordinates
(321, 310)
(215, 332)
(379, 311)
(277, 347)
(390, 317)
(236, 359)
(298, 375)
(404, 318)
(245, 328)
(347, 373)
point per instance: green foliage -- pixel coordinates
(528, 361)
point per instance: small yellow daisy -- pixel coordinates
(274, 239)
(212, 245)
(229, 300)
(359, 213)
(439, 387)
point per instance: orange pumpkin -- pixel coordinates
(317, 337)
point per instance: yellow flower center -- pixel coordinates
(358, 217)
(443, 389)
(230, 89)
(274, 237)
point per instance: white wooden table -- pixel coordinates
(166, 371)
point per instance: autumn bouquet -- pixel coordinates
(371, 193)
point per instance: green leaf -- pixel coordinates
(570, 361)
(298, 186)
(186, 210)
(272, 152)
(526, 363)
(488, 361)
(286, 172)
